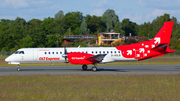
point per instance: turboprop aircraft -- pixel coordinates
(155, 47)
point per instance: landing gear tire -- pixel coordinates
(84, 67)
(18, 69)
(94, 68)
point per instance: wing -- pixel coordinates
(96, 58)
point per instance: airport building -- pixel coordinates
(106, 38)
(72, 38)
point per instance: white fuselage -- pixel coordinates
(35, 55)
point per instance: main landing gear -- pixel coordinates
(18, 68)
(84, 67)
(94, 68)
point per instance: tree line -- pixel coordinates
(18, 33)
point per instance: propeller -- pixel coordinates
(65, 55)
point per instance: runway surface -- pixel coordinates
(102, 69)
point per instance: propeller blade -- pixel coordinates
(65, 54)
(65, 50)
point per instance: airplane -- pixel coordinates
(84, 56)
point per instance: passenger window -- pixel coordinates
(86, 52)
(104, 52)
(99, 52)
(111, 51)
(96, 52)
(92, 52)
(49, 52)
(52, 52)
(119, 52)
(44, 52)
(56, 52)
(107, 52)
(114, 51)
(60, 52)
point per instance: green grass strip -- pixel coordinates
(90, 87)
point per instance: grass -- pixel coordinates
(90, 87)
(166, 60)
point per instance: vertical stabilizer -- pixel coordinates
(162, 38)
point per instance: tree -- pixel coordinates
(27, 42)
(20, 22)
(158, 22)
(59, 30)
(6, 39)
(51, 40)
(129, 27)
(110, 19)
(59, 15)
(17, 30)
(83, 27)
(36, 32)
(145, 30)
(72, 20)
(117, 27)
(174, 44)
(77, 31)
(94, 24)
(47, 25)
(176, 34)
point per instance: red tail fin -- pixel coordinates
(157, 46)
(163, 37)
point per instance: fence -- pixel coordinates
(2, 53)
(5, 53)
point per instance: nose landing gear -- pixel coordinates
(18, 68)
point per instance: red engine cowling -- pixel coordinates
(79, 58)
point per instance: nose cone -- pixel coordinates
(7, 59)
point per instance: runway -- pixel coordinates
(102, 69)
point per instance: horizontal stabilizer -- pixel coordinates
(160, 47)
(170, 51)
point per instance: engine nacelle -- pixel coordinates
(79, 58)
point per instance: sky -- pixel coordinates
(138, 11)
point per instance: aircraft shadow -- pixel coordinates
(115, 70)
(102, 69)
(73, 70)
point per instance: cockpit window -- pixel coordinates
(19, 52)
(16, 52)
